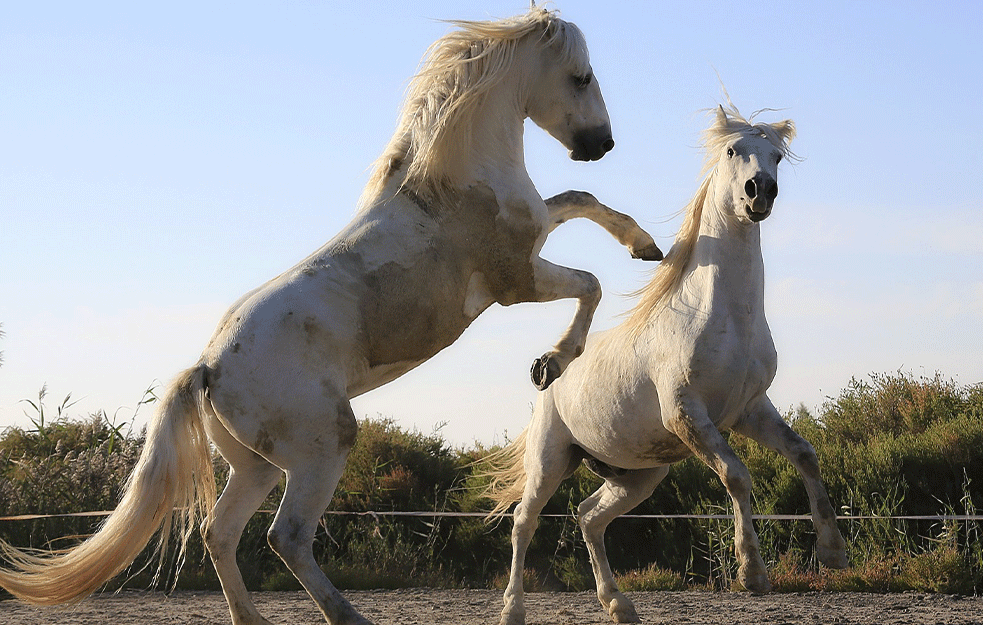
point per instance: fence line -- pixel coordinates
(436, 514)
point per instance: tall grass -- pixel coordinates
(890, 444)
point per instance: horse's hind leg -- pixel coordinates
(572, 204)
(251, 478)
(766, 426)
(548, 461)
(615, 497)
(313, 460)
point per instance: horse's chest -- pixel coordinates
(503, 242)
(727, 358)
(416, 305)
(732, 366)
(410, 313)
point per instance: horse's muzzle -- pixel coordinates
(761, 191)
(591, 144)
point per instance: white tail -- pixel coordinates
(172, 487)
(507, 472)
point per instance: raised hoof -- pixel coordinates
(649, 252)
(544, 370)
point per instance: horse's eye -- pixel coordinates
(778, 159)
(583, 81)
(730, 152)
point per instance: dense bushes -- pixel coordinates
(61, 466)
(888, 445)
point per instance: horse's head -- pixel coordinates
(563, 96)
(747, 157)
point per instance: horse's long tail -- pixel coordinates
(172, 488)
(507, 474)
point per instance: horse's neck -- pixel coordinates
(726, 270)
(494, 150)
(485, 147)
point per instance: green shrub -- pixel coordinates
(651, 578)
(889, 445)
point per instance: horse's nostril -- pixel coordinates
(608, 145)
(773, 192)
(750, 189)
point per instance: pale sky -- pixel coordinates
(156, 162)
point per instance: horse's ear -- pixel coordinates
(785, 130)
(721, 120)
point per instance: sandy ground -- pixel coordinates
(471, 607)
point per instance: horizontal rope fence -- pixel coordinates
(763, 517)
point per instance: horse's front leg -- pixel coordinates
(765, 425)
(573, 204)
(688, 420)
(553, 282)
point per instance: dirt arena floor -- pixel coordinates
(473, 607)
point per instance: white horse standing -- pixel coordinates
(694, 358)
(449, 224)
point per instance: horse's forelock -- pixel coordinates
(729, 125)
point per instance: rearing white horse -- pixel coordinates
(694, 358)
(449, 224)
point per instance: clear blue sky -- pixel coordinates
(156, 162)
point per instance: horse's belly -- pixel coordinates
(633, 438)
(630, 452)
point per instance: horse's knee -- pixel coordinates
(286, 539)
(592, 289)
(808, 461)
(736, 479)
(210, 538)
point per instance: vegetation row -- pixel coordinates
(888, 445)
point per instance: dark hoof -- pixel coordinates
(544, 371)
(651, 252)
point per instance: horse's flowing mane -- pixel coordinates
(728, 126)
(456, 72)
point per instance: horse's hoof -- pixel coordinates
(834, 558)
(513, 615)
(623, 611)
(754, 584)
(544, 370)
(649, 252)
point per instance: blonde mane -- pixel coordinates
(456, 72)
(729, 125)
